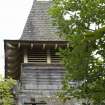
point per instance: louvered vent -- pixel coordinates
(43, 56)
(37, 56)
(55, 58)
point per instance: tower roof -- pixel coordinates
(39, 24)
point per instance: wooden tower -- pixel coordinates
(33, 60)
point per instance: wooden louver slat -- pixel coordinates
(41, 56)
(55, 58)
(37, 56)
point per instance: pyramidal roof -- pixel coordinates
(39, 24)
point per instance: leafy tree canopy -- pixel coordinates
(6, 96)
(82, 24)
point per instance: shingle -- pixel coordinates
(39, 24)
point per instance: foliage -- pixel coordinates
(6, 96)
(82, 24)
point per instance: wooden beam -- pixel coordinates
(19, 45)
(25, 56)
(56, 46)
(68, 45)
(44, 46)
(48, 57)
(10, 45)
(32, 45)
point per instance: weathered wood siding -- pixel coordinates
(40, 80)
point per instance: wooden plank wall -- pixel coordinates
(42, 80)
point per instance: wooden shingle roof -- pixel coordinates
(39, 24)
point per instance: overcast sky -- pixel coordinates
(13, 16)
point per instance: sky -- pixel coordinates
(13, 16)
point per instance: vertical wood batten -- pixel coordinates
(48, 57)
(25, 56)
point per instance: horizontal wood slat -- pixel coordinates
(37, 56)
(42, 79)
(41, 56)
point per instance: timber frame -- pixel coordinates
(16, 53)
